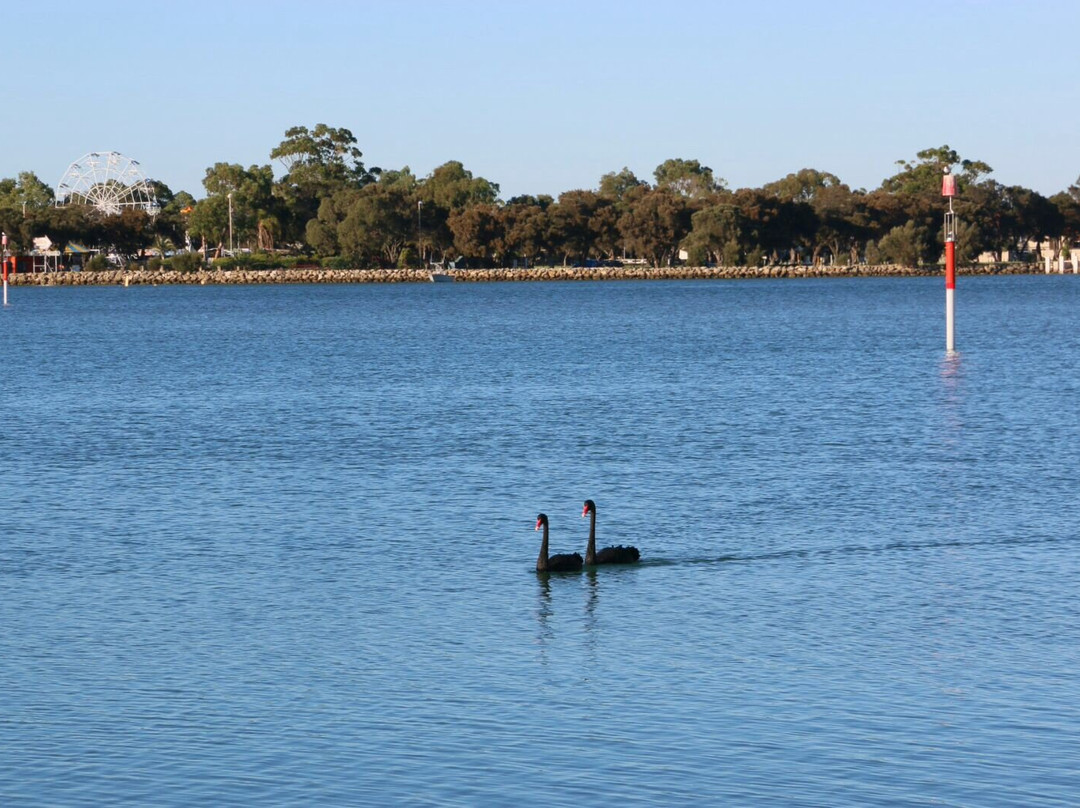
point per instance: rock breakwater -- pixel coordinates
(309, 275)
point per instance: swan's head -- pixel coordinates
(590, 507)
(541, 521)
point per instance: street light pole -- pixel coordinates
(419, 230)
(230, 224)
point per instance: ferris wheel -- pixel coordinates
(108, 181)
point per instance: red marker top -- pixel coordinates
(948, 185)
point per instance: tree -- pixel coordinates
(478, 230)
(1069, 209)
(450, 188)
(209, 221)
(713, 232)
(614, 186)
(687, 178)
(655, 223)
(570, 223)
(842, 222)
(378, 224)
(802, 186)
(906, 245)
(525, 228)
(170, 223)
(322, 232)
(20, 198)
(773, 226)
(318, 163)
(1036, 218)
(924, 176)
(62, 226)
(127, 234)
(256, 213)
(30, 191)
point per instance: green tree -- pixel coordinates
(655, 223)
(771, 225)
(842, 222)
(713, 231)
(170, 223)
(449, 188)
(127, 234)
(256, 213)
(615, 185)
(905, 245)
(317, 162)
(1068, 207)
(570, 223)
(687, 178)
(321, 232)
(378, 225)
(26, 190)
(478, 231)
(923, 176)
(62, 226)
(21, 200)
(525, 228)
(802, 186)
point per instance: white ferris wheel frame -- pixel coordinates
(107, 181)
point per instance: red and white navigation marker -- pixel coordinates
(4, 261)
(948, 190)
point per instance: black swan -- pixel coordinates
(564, 562)
(609, 555)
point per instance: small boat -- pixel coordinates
(440, 277)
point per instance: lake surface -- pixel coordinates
(275, 546)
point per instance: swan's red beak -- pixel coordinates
(538, 523)
(584, 511)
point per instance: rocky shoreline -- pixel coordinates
(309, 275)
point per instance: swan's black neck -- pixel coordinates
(590, 551)
(542, 561)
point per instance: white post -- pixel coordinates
(950, 320)
(1061, 262)
(1047, 259)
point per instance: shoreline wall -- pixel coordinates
(308, 275)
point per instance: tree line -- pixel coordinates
(323, 202)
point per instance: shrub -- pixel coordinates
(186, 262)
(696, 256)
(99, 263)
(732, 253)
(903, 245)
(339, 262)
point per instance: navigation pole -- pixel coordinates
(4, 261)
(948, 190)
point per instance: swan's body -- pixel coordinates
(609, 555)
(563, 562)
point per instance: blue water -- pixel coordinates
(275, 546)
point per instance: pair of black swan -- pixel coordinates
(571, 562)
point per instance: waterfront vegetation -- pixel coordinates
(323, 206)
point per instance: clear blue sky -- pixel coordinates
(544, 96)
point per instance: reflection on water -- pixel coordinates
(952, 385)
